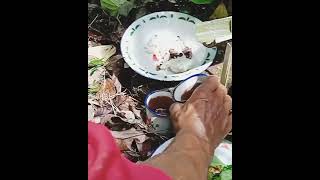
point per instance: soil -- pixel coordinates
(104, 29)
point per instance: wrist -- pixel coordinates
(191, 142)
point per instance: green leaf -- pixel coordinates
(220, 12)
(215, 161)
(118, 2)
(93, 70)
(126, 7)
(110, 7)
(95, 88)
(141, 12)
(115, 7)
(96, 62)
(202, 1)
(226, 173)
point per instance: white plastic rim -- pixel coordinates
(223, 152)
(170, 23)
(153, 95)
(186, 85)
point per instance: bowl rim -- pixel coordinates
(162, 77)
(174, 90)
(152, 111)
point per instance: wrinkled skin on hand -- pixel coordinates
(201, 124)
(206, 113)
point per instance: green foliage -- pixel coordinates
(117, 7)
(220, 12)
(202, 1)
(95, 62)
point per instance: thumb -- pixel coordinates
(175, 110)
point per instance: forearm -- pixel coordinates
(187, 157)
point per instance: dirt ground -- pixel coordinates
(104, 29)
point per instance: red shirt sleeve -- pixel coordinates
(106, 162)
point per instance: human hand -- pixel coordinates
(206, 114)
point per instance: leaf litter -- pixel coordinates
(115, 92)
(111, 105)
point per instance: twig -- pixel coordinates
(96, 30)
(118, 20)
(93, 20)
(132, 136)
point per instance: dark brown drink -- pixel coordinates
(187, 94)
(161, 105)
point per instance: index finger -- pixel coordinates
(211, 83)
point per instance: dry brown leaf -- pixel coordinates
(92, 100)
(93, 44)
(103, 51)
(122, 145)
(108, 88)
(127, 114)
(95, 120)
(145, 148)
(136, 112)
(116, 64)
(106, 93)
(116, 84)
(125, 105)
(115, 123)
(90, 112)
(101, 111)
(120, 99)
(130, 154)
(126, 138)
(97, 76)
(107, 118)
(132, 133)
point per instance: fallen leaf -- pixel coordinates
(96, 120)
(107, 88)
(145, 148)
(102, 52)
(96, 77)
(122, 145)
(92, 100)
(138, 136)
(102, 111)
(132, 153)
(115, 64)
(93, 44)
(90, 112)
(202, 1)
(126, 7)
(220, 12)
(115, 123)
(116, 84)
(127, 137)
(125, 105)
(136, 112)
(120, 100)
(141, 12)
(127, 114)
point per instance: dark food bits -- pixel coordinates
(186, 52)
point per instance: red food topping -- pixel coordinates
(154, 57)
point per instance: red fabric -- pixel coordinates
(106, 162)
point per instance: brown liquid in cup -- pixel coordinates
(161, 104)
(187, 94)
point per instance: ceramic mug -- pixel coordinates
(159, 121)
(183, 91)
